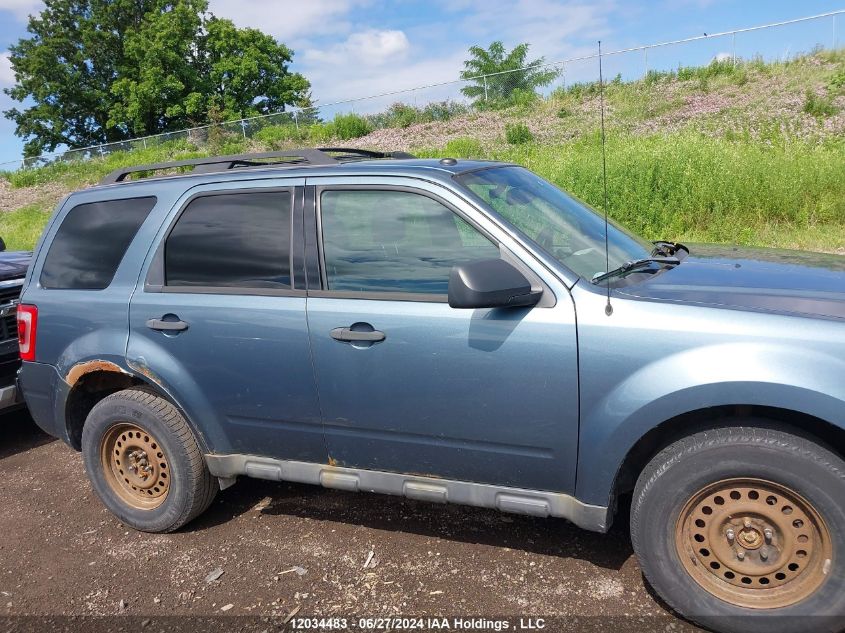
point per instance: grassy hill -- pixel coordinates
(751, 153)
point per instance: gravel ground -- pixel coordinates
(284, 547)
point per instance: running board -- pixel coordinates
(517, 500)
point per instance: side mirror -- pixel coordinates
(2, 245)
(490, 283)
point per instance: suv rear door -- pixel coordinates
(218, 320)
(476, 395)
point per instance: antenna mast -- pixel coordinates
(608, 309)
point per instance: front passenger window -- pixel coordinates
(394, 241)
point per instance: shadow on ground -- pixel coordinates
(18, 433)
(552, 537)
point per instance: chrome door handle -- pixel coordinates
(167, 326)
(347, 334)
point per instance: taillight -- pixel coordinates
(27, 326)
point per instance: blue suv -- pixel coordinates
(453, 331)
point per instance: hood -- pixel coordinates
(13, 264)
(772, 280)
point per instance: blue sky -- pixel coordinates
(355, 48)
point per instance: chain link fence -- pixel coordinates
(348, 119)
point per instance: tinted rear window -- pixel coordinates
(239, 240)
(91, 241)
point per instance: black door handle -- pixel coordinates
(348, 334)
(167, 326)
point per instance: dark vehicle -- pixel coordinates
(453, 331)
(13, 265)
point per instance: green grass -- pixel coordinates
(756, 181)
(819, 106)
(638, 102)
(688, 186)
(75, 173)
(518, 134)
(464, 147)
(402, 115)
(683, 186)
(349, 126)
(22, 227)
(277, 136)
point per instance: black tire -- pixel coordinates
(191, 487)
(675, 476)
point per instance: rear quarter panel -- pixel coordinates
(78, 326)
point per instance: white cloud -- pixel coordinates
(344, 48)
(21, 9)
(287, 21)
(347, 51)
(377, 47)
(373, 62)
(7, 75)
(352, 82)
(370, 48)
(552, 28)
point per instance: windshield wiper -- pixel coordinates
(632, 266)
(666, 249)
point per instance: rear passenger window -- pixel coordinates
(91, 242)
(239, 240)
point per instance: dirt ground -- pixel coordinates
(285, 548)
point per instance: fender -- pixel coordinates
(698, 378)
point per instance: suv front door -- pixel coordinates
(220, 322)
(408, 384)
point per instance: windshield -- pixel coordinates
(566, 228)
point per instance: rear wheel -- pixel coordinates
(144, 462)
(743, 529)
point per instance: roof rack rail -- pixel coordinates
(354, 153)
(291, 157)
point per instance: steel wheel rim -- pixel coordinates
(754, 543)
(135, 466)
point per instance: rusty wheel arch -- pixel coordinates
(92, 381)
(815, 429)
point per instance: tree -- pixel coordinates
(98, 71)
(182, 64)
(525, 76)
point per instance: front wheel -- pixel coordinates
(743, 529)
(144, 462)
